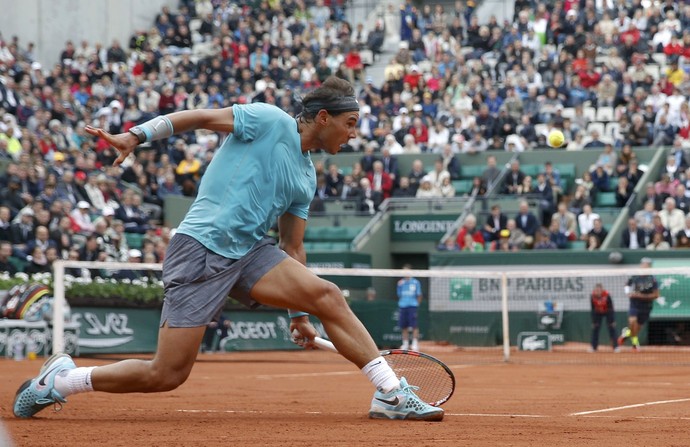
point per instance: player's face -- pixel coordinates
(339, 130)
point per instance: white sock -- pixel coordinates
(379, 372)
(74, 381)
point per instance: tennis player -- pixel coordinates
(261, 173)
(642, 291)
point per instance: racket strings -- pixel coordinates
(434, 381)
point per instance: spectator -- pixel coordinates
(671, 217)
(131, 214)
(369, 199)
(633, 173)
(350, 188)
(600, 179)
(41, 240)
(390, 164)
(594, 141)
(5, 224)
(682, 241)
(469, 227)
(38, 261)
(543, 241)
(598, 231)
(633, 237)
(567, 221)
(557, 236)
(623, 192)
(22, 229)
(169, 187)
(527, 222)
(368, 159)
(380, 180)
(12, 197)
(416, 174)
(334, 181)
(658, 242)
(503, 243)
(514, 180)
(491, 173)
(450, 162)
(426, 189)
(546, 197)
(5, 254)
(495, 222)
(658, 227)
(586, 221)
(447, 189)
(404, 189)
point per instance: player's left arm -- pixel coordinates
(291, 229)
(419, 293)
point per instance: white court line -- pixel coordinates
(283, 376)
(499, 415)
(485, 415)
(625, 407)
(492, 415)
(665, 418)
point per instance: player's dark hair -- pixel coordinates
(335, 95)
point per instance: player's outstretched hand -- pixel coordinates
(303, 332)
(124, 143)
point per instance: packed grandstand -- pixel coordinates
(451, 96)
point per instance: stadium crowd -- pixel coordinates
(611, 74)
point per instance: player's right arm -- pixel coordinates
(218, 120)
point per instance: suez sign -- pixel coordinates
(421, 227)
(103, 330)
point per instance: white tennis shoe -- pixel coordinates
(403, 403)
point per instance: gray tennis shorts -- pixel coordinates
(198, 281)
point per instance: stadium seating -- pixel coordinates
(134, 240)
(605, 199)
(471, 171)
(462, 186)
(331, 234)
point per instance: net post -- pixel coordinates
(504, 316)
(58, 307)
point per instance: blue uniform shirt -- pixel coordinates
(258, 174)
(408, 291)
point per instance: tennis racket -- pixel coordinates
(435, 380)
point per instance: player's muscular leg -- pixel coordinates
(175, 356)
(291, 285)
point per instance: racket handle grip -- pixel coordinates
(324, 344)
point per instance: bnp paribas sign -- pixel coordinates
(421, 227)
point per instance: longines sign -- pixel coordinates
(421, 227)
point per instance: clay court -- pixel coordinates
(318, 399)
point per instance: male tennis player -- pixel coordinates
(642, 291)
(261, 173)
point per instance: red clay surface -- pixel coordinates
(318, 399)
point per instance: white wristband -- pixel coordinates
(158, 128)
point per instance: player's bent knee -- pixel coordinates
(168, 382)
(167, 378)
(330, 300)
